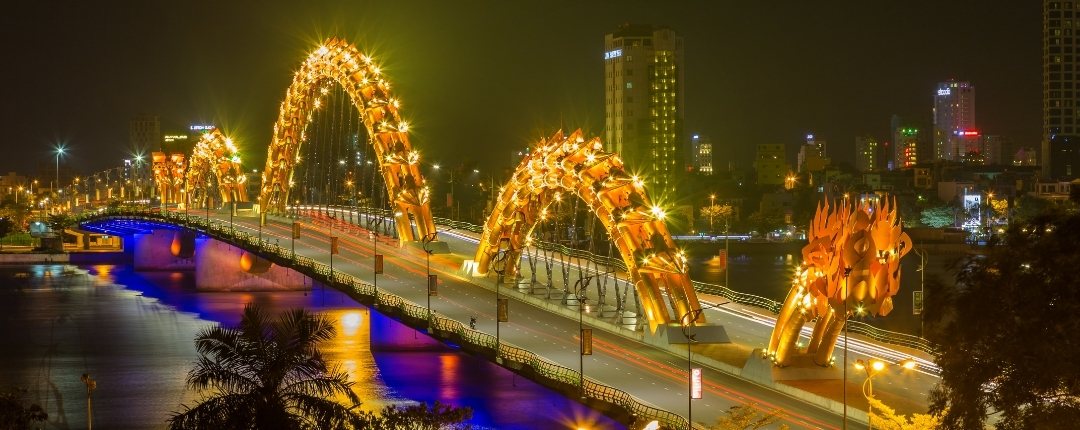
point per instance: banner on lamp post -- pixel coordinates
(695, 383)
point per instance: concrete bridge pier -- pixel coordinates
(220, 266)
(154, 251)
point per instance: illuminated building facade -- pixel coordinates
(643, 93)
(701, 150)
(905, 145)
(866, 150)
(954, 120)
(1061, 89)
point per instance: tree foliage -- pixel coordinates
(1029, 207)
(6, 227)
(17, 413)
(269, 374)
(1006, 330)
(423, 417)
(766, 222)
(748, 417)
(937, 216)
(713, 213)
(885, 418)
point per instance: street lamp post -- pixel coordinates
(427, 254)
(873, 367)
(580, 289)
(712, 209)
(847, 314)
(922, 286)
(59, 152)
(727, 249)
(687, 323)
(91, 385)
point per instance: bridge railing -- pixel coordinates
(773, 306)
(545, 372)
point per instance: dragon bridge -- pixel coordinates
(340, 62)
(573, 165)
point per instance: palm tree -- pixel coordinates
(268, 374)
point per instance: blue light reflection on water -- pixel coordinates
(413, 366)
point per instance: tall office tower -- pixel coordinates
(1061, 89)
(643, 93)
(144, 133)
(954, 120)
(701, 154)
(866, 150)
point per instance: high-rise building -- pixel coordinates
(866, 151)
(701, 154)
(643, 93)
(812, 161)
(1061, 89)
(993, 148)
(771, 165)
(954, 120)
(905, 145)
(144, 133)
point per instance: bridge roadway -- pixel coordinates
(656, 376)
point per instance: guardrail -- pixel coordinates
(545, 372)
(773, 306)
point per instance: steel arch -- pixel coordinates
(619, 201)
(362, 80)
(215, 154)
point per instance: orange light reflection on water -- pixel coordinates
(350, 350)
(450, 369)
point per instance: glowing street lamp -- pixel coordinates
(712, 209)
(873, 367)
(60, 148)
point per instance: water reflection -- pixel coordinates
(133, 332)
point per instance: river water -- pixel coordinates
(133, 332)
(766, 269)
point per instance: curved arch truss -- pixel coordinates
(215, 161)
(570, 164)
(169, 176)
(340, 62)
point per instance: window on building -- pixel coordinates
(629, 85)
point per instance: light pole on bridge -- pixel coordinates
(432, 280)
(585, 338)
(687, 323)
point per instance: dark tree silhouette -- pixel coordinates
(269, 374)
(6, 227)
(1006, 330)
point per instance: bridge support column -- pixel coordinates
(218, 268)
(153, 251)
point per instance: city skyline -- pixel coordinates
(748, 81)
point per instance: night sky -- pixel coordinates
(479, 79)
